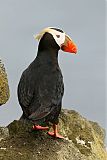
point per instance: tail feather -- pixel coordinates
(40, 113)
(36, 117)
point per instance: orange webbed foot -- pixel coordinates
(38, 127)
(57, 135)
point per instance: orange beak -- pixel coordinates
(69, 45)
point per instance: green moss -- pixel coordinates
(79, 130)
(4, 88)
(84, 141)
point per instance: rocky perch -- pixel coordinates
(4, 88)
(84, 140)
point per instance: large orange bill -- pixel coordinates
(69, 45)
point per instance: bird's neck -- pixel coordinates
(48, 56)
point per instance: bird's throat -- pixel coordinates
(48, 56)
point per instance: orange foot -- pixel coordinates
(37, 127)
(55, 132)
(57, 135)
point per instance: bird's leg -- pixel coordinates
(38, 127)
(55, 132)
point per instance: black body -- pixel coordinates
(41, 88)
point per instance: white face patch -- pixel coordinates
(59, 37)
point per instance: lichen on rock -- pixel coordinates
(4, 87)
(84, 140)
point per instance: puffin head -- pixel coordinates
(63, 41)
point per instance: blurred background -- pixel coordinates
(84, 73)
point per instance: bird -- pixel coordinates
(41, 87)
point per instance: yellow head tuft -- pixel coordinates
(39, 36)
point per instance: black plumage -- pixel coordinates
(40, 89)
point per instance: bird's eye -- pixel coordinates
(58, 36)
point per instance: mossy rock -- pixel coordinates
(4, 87)
(83, 141)
(87, 136)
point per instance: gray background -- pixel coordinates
(84, 73)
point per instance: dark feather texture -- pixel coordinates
(41, 88)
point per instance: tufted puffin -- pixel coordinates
(40, 89)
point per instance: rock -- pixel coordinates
(84, 140)
(4, 133)
(4, 88)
